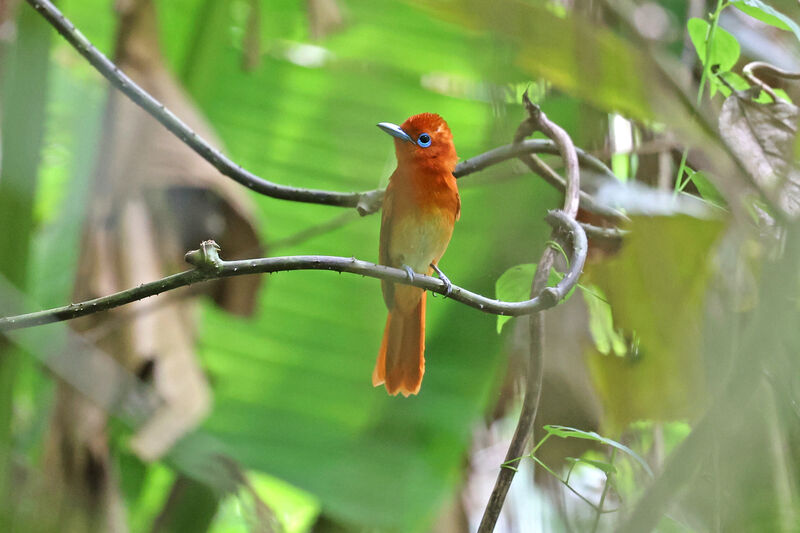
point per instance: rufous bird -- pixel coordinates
(420, 208)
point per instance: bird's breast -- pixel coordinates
(420, 237)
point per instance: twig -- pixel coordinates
(550, 176)
(566, 484)
(523, 149)
(365, 202)
(168, 119)
(533, 381)
(565, 148)
(749, 72)
(599, 512)
(528, 146)
(209, 266)
(597, 232)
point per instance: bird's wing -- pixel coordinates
(383, 251)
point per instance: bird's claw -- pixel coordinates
(409, 272)
(448, 287)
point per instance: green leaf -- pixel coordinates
(767, 14)
(707, 190)
(724, 47)
(608, 468)
(566, 432)
(733, 80)
(601, 323)
(514, 285)
(780, 93)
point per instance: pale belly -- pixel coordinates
(419, 239)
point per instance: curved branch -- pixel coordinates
(527, 146)
(749, 72)
(366, 202)
(209, 266)
(537, 120)
(566, 149)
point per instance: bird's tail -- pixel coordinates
(401, 359)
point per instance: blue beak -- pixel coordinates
(395, 131)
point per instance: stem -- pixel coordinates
(565, 483)
(714, 18)
(603, 495)
(680, 184)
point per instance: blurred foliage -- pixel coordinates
(23, 113)
(293, 403)
(301, 406)
(661, 377)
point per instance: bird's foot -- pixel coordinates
(409, 271)
(448, 287)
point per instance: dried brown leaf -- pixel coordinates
(763, 135)
(151, 194)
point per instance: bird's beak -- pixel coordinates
(395, 131)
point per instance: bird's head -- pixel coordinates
(423, 139)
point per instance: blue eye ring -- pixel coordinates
(424, 140)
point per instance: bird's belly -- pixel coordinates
(420, 238)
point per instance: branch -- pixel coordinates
(209, 266)
(533, 382)
(749, 72)
(523, 149)
(365, 202)
(168, 119)
(538, 120)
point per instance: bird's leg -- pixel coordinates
(448, 287)
(409, 271)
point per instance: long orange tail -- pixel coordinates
(401, 359)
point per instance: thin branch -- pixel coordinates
(749, 72)
(588, 202)
(599, 509)
(528, 146)
(209, 266)
(566, 149)
(524, 148)
(597, 232)
(533, 382)
(572, 489)
(170, 121)
(365, 202)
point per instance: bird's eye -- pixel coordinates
(424, 140)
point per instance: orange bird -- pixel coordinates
(420, 208)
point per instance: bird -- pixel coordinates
(420, 208)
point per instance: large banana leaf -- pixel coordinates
(292, 389)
